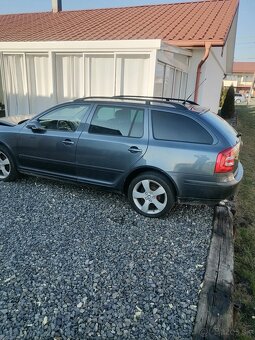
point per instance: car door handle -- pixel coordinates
(67, 142)
(134, 149)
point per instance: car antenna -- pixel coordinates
(194, 91)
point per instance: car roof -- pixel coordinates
(175, 103)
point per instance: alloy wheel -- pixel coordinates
(5, 166)
(149, 196)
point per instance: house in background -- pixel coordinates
(242, 78)
(172, 50)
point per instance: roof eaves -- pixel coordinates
(196, 43)
(212, 42)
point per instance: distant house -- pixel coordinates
(172, 50)
(242, 78)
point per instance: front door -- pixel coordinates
(47, 145)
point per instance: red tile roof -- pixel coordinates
(184, 24)
(243, 67)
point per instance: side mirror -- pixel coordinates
(35, 126)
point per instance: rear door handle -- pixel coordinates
(67, 142)
(134, 149)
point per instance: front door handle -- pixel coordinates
(67, 142)
(134, 149)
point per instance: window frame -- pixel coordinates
(118, 106)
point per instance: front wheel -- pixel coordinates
(151, 195)
(8, 170)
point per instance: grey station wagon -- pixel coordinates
(157, 151)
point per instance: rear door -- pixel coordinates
(114, 139)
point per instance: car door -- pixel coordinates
(48, 143)
(113, 140)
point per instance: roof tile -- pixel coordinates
(243, 67)
(208, 20)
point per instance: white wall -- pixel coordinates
(38, 75)
(1, 90)
(34, 82)
(212, 74)
(197, 55)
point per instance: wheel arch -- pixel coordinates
(142, 170)
(2, 144)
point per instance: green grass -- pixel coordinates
(245, 228)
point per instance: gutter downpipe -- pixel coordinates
(208, 46)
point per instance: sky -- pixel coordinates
(245, 40)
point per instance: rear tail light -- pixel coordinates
(225, 161)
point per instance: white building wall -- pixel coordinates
(39, 75)
(212, 74)
(28, 78)
(1, 91)
(197, 55)
(228, 83)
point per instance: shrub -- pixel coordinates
(224, 91)
(228, 107)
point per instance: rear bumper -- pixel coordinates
(212, 192)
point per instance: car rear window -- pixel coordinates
(222, 127)
(176, 127)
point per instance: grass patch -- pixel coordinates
(245, 223)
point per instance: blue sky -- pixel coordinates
(245, 42)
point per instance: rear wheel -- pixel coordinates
(8, 170)
(151, 195)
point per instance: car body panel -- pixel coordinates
(47, 151)
(240, 98)
(14, 120)
(106, 160)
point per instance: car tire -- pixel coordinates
(238, 101)
(151, 195)
(8, 171)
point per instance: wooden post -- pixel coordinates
(214, 318)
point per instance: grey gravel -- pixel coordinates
(79, 263)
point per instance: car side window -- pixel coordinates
(118, 121)
(65, 118)
(176, 127)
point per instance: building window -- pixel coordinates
(170, 82)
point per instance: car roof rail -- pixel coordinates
(148, 99)
(168, 99)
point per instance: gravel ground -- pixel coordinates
(78, 263)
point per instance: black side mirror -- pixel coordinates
(35, 126)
